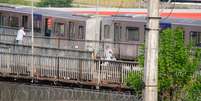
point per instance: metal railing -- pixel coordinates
(120, 50)
(97, 72)
(17, 48)
(12, 30)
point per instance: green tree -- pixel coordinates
(176, 64)
(21, 2)
(54, 3)
(192, 91)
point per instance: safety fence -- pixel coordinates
(121, 50)
(19, 48)
(12, 30)
(90, 71)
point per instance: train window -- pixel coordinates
(106, 31)
(48, 26)
(13, 21)
(71, 30)
(196, 38)
(133, 33)
(2, 20)
(81, 32)
(60, 29)
(37, 22)
(117, 32)
(25, 21)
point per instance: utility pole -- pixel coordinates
(151, 52)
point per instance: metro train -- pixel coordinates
(123, 33)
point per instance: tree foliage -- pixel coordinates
(192, 91)
(54, 3)
(134, 80)
(21, 2)
(177, 65)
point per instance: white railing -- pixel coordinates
(100, 72)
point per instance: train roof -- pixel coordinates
(142, 18)
(171, 16)
(177, 13)
(46, 12)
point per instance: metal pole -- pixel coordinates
(32, 39)
(96, 33)
(151, 52)
(97, 16)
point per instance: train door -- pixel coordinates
(107, 34)
(25, 21)
(48, 26)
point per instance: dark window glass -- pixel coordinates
(60, 29)
(71, 30)
(25, 21)
(13, 21)
(2, 20)
(196, 38)
(106, 31)
(37, 22)
(133, 33)
(117, 32)
(81, 33)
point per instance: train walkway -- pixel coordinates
(69, 65)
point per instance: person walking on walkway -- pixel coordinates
(20, 35)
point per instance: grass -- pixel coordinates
(110, 3)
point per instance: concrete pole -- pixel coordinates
(151, 52)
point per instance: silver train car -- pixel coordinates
(122, 33)
(131, 29)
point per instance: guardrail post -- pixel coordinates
(99, 71)
(80, 69)
(9, 60)
(121, 74)
(57, 67)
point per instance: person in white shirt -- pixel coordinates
(20, 35)
(109, 54)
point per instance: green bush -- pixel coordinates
(54, 3)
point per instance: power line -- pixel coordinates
(170, 13)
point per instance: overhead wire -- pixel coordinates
(118, 9)
(170, 13)
(120, 5)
